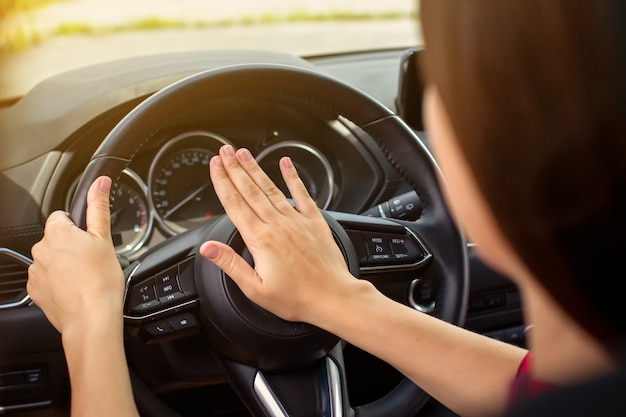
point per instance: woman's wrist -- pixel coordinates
(92, 328)
(343, 304)
(95, 346)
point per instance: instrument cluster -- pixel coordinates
(177, 194)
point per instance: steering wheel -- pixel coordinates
(280, 368)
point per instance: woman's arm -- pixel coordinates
(78, 283)
(300, 275)
(467, 372)
(98, 370)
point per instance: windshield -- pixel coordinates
(41, 38)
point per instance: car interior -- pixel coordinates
(195, 346)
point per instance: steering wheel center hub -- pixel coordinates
(245, 332)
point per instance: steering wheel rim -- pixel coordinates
(399, 143)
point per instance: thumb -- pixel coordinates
(98, 217)
(231, 263)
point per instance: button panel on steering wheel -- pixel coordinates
(166, 288)
(379, 250)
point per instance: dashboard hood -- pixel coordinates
(57, 107)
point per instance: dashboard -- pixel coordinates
(172, 193)
(49, 136)
(166, 189)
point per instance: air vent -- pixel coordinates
(13, 277)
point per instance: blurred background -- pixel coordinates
(40, 38)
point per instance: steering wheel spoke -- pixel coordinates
(318, 389)
(384, 246)
(161, 298)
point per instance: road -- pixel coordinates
(21, 71)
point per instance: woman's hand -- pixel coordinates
(298, 267)
(75, 275)
(299, 274)
(77, 281)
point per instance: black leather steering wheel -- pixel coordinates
(280, 368)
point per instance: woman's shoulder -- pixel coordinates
(603, 396)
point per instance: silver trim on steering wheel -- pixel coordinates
(334, 387)
(334, 407)
(267, 396)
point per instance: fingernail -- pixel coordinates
(244, 155)
(211, 252)
(105, 185)
(228, 150)
(287, 162)
(217, 161)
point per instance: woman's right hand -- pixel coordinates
(75, 277)
(298, 268)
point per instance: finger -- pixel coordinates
(31, 285)
(98, 207)
(58, 217)
(232, 264)
(300, 195)
(233, 202)
(35, 286)
(263, 181)
(58, 226)
(34, 283)
(256, 197)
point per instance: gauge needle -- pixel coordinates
(114, 215)
(186, 200)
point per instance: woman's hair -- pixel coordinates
(536, 94)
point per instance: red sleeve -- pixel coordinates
(524, 387)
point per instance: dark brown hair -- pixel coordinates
(536, 93)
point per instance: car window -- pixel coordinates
(40, 38)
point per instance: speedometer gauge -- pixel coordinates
(181, 192)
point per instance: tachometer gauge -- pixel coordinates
(181, 192)
(131, 219)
